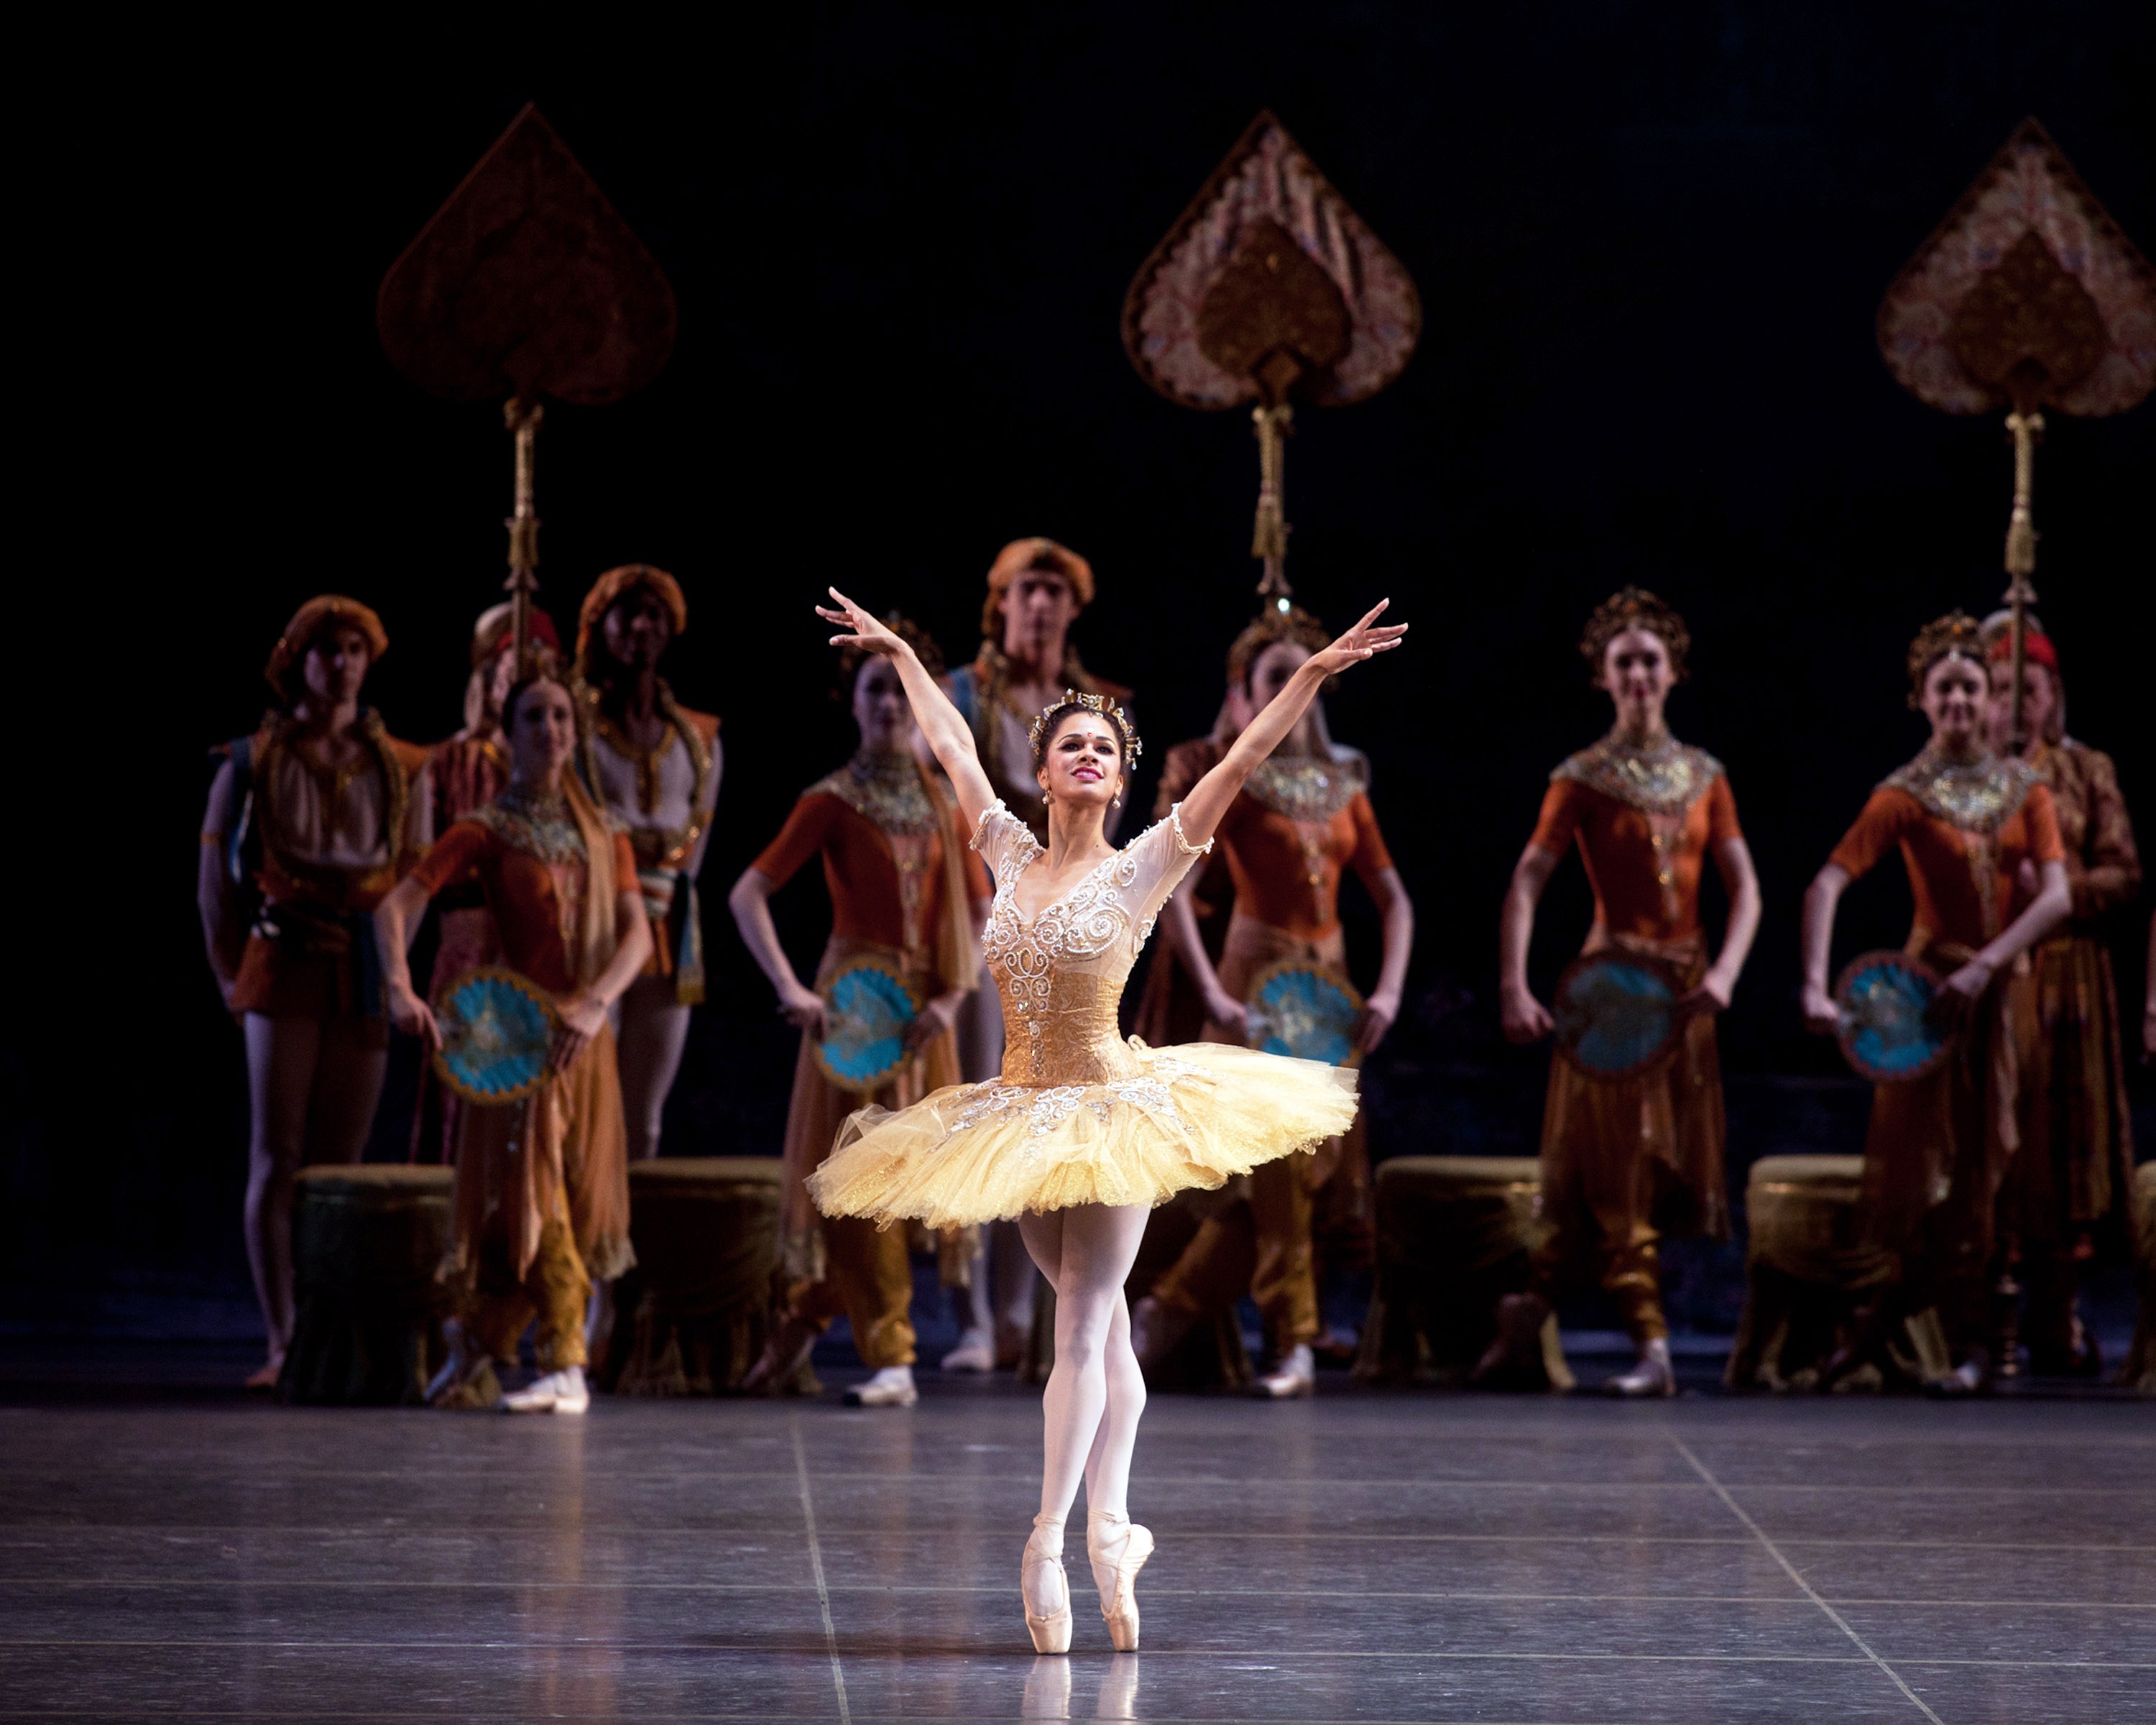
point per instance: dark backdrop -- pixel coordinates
(1649, 238)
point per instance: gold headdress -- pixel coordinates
(1957, 632)
(1280, 621)
(1634, 607)
(1071, 701)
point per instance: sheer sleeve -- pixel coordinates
(1161, 857)
(996, 835)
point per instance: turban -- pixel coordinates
(1014, 559)
(2036, 649)
(615, 584)
(497, 625)
(325, 611)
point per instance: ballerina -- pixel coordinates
(1083, 1133)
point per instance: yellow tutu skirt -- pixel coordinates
(1193, 1116)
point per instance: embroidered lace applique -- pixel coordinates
(1043, 1111)
(1666, 779)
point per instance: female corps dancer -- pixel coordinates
(469, 771)
(542, 1205)
(325, 809)
(1302, 819)
(1083, 1132)
(2076, 1174)
(1623, 1158)
(1964, 822)
(895, 861)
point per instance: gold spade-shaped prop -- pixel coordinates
(527, 283)
(2028, 297)
(1270, 289)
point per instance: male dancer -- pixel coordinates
(318, 812)
(655, 765)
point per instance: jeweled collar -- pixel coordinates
(1308, 787)
(1977, 796)
(1666, 779)
(883, 788)
(538, 823)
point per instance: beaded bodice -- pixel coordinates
(1060, 973)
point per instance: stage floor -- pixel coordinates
(1361, 1556)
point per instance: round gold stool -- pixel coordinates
(2139, 1371)
(1453, 1238)
(367, 1240)
(1807, 1268)
(705, 1230)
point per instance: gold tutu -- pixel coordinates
(1193, 1115)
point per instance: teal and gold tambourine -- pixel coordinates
(867, 1009)
(1616, 1013)
(1883, 1006)
(1305, 1011)
(497, 1028)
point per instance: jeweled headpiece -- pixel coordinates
(1073, 701)
(1634, 607)
(1280, 621)
(1957, 632)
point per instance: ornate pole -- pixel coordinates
(522, 419)
(1268, 539)
(2021, 547)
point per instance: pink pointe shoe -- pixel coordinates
(1041, 1578)
(1118, 1547)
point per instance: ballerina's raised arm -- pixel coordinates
(946, 731)
(1200, 811)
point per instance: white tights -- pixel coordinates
(1096, 1392)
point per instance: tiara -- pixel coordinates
(1133, 748)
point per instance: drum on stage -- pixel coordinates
(1883, 1005)
(497, 1027)
(867, 1009)
(1307, 1011)
(1616, 1013)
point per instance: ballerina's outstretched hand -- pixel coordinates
(947, 732)
(1367, 637)
(1208, 800)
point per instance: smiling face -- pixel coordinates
(880, 709)
(1638, 676)
(1083, 762)
(335, 666)
(542, 733)
(1955, 700)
